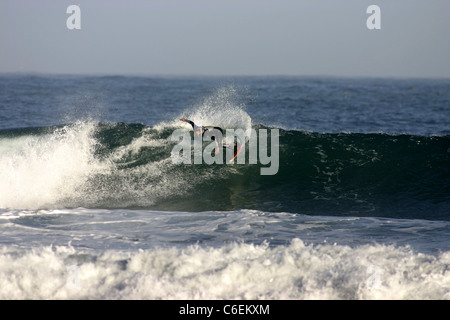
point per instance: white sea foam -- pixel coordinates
(232, 271)
(37, 171)
(61, 169)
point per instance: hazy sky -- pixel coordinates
(227, 37)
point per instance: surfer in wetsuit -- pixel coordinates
(215, 134)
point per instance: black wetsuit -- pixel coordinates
(213, 134)
(209, 132)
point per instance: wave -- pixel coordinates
(128, 165)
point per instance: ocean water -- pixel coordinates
(93, 207)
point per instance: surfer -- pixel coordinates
(215, 134)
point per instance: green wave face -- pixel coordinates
(119, 165)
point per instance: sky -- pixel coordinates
(227, 37)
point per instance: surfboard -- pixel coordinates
(236, 152)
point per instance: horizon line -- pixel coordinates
(205, 75)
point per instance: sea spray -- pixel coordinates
(38, 170)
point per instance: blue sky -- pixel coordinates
(227, 37)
